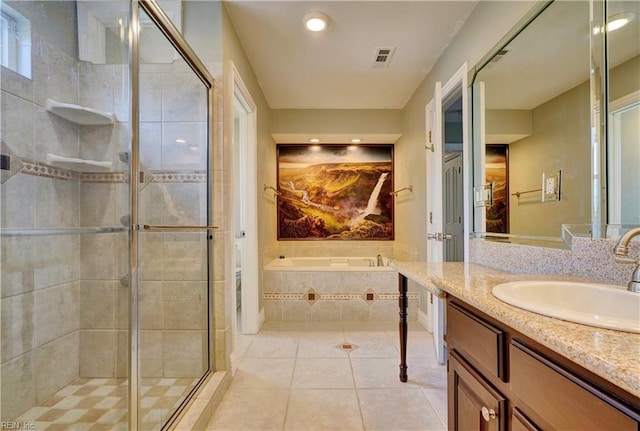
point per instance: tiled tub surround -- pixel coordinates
(390, 249)
(612, 355)
(333, 293)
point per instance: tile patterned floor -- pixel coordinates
(298, 376)
(101, 404)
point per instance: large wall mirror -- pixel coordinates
(536, 122)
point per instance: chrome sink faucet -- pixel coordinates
(380, 261)
(621, 253)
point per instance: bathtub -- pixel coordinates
(332, 289)
(328, 264)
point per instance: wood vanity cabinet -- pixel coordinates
(500, 380)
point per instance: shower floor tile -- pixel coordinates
(101, 405)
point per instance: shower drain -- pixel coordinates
(347, 347)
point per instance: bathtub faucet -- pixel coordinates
(380, 261)
(621, 253)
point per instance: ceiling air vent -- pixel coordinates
(496, 58)
(382, 57)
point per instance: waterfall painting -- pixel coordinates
(335, 192)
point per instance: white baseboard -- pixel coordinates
(233, 361)
(261, 319)
(425, 321)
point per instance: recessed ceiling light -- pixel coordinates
(356, 140)
(620, 20)
(316, 21)
(314, 140)
(616, 22)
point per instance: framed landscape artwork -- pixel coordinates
(335, 192)
(497, 172)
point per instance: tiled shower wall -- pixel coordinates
(41, 276)
(64, 308)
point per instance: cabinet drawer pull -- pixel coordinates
(488, 414)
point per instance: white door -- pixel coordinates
(433, 112)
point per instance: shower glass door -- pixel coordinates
(174, 227)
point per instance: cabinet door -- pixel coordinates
(473, 403)
(519, 422)
(478, 341)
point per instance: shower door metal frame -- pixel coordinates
(177, 40)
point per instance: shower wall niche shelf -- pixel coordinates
(79, 165)
(80, 115)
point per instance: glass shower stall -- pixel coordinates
(106, 213)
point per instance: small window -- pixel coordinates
(15, 41)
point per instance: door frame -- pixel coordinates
(435, 199)
(459, 80)
(435, 138)
(251, 315)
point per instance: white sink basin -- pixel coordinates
(600, 305)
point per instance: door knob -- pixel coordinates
(488, 414)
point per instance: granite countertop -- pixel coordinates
(613, 355)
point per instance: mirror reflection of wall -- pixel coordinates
(537, 102)
(534, 95)
(623, 47)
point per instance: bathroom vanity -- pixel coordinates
(512, 369)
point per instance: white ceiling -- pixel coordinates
(333, 70)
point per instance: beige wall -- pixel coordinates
(484, 28)
(336, 121)
(503, 126)
(625, 78)
(560, 140)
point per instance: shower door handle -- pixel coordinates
(165, 228)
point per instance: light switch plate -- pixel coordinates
(551, 186)
(483, 195)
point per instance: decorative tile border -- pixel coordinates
(104, 177)
(178, 177)
(336, 296)
(39, 169)
(282, 296)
